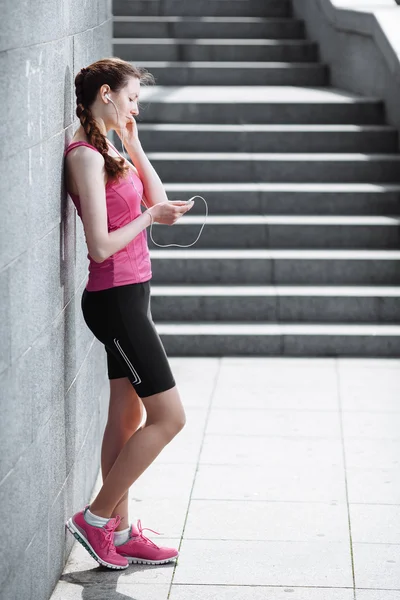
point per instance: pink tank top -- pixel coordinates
(132, 263)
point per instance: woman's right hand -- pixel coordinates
(169, 212)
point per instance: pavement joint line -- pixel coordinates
(212, 393)
(339, 398)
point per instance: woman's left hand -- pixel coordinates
(130, 133)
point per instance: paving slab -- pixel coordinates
(310, 386)
(376, 454)
(269, 521)
(215, 482)
(377, 566)
(373, 486)
(371, 425)
(375, 523)
(273, 422)
(264, 563)
(271, 451)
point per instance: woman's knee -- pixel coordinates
(166, 410)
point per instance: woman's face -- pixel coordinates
(128, 99)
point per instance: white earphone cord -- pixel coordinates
(141, 198)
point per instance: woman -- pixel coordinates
(107, 191)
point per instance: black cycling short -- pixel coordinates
(120, 317)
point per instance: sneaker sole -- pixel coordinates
(142, 561)
(77, 535)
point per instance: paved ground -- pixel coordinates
(284, 485)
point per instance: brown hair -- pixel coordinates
(115, 72)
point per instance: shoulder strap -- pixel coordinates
(79, 143)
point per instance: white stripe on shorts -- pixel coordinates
(128, 362)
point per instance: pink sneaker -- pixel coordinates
(98, 541)
(139, 549)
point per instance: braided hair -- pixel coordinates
(115, 72)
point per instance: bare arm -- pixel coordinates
(152, 184)
(88, 171)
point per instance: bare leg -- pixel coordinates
(165, 418)
(124, 416)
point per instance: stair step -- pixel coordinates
(267, 8)
(186, 49)
(228, 73)
(320, 304)
(207, 27)
(258, 105)
(282, 232)
(276, 167)
(278, 339)
(283, 267)
(176, 137)
(290, 198)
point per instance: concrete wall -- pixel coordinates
(53, 382)
(361, 43)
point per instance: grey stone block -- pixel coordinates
(56, 539)
(81, 18)
(41, 294)
(18, 584)
(44, 107)
(5, 323)
(78, 337)
(57, 445)
(36, 24)
(37, 558)
(15, 504)
(43, 371)
(15, 417)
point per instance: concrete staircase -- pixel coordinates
(300, 255)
